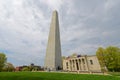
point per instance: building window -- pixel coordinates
(77, 65)
(91, 62)
(66, 63)
(83, 61)
(67, 67)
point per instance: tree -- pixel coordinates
(113, 58)
(31, 67)
(8, 67)
(2, 60)
(26, 69)
(109, 57)
(101, 57)
(63, 57)
(74, 55)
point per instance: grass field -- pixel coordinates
(52, 76)
(114, 73)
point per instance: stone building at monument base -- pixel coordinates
(81, 63)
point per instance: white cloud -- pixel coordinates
(22, 33)
(54, 4)
(84, 25)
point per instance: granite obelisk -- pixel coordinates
(53, 59)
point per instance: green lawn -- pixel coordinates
(114, 73)
(52, 76)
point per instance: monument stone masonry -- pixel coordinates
(53, 59)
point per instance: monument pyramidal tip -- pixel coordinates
(53, 59)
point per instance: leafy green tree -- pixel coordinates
(2, 60)
(63, 57)
(112, 58)
(109, 57)
(8, 67)
(26, 69)
(31, 67)
(74, 55)
(101, 57)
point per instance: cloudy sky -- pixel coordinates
(85, 25)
